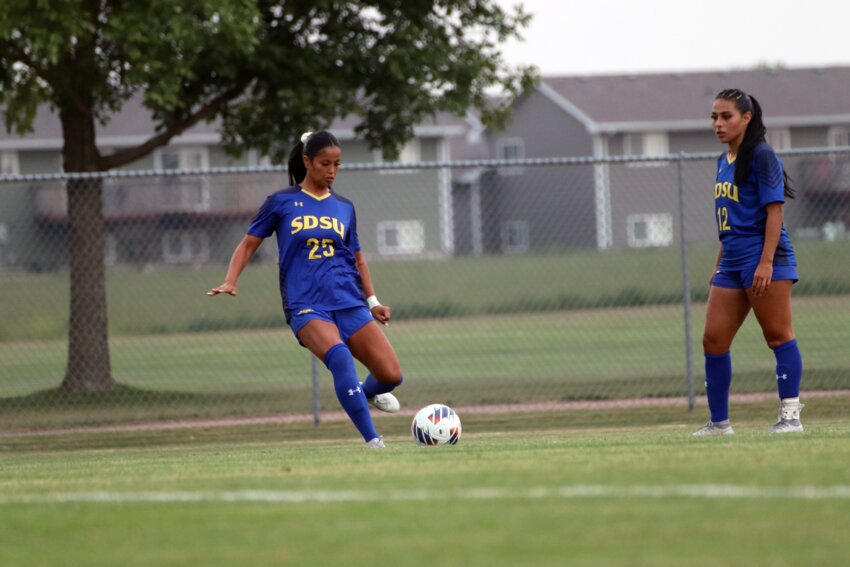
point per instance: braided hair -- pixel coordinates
(310, 144)
(753, 136)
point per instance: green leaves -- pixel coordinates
(268, 69)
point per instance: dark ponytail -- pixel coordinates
(310, 144)
(754, 136)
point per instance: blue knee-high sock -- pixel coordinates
(339, 361)
(718, 379)
(371, 387)
(789, 369)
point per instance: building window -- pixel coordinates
(255, 159)
(189, 157)
(9, 164)
(779, 138)
(401, 237)
(649, 230)
(195, 194)
(838, 136)
(110, 250)
(646, 144)
(185, 247)
(510, 148)
(184, 193)
(410, 153)
(515, 237)
(114, 197)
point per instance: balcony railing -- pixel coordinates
(150, 198)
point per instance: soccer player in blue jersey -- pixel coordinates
(328, 297)
(755, 266)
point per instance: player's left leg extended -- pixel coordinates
(370, 346)
(773, 311)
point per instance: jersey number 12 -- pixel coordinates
(723, 219)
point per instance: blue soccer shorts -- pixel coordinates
(347, 321)
(743, 278)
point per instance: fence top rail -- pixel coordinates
(457, 164)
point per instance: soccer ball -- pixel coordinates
(436, 424)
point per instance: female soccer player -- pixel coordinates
(328, 297)
(755, 266)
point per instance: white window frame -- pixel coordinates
(838, 136)
(411, 152)
(659, 230)
(195, 197)
(189, 199)
(255, 159)
(410, 237)
(503, 144)
(184, 154)
(188, 254)
(651, 144)
(516, 227)
(779, 138)
(10, 163)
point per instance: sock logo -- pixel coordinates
(781, 376)
(354, 391)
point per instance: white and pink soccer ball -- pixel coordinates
(436, 424)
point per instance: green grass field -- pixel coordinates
(599, 354)
(173, 300)
(571, 326)
(556, 488)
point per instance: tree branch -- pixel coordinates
(173, 128)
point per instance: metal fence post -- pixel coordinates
(686, 284)
(314, 376)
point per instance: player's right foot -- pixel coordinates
(376, 443)
(385, 402)
(711, 428)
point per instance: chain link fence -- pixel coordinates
(510, 281)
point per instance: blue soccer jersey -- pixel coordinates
(741, 212)
(317, 239)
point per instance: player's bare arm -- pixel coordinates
(241, 256)
(381, 313)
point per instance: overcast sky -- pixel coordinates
(569, 37)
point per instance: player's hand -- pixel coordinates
(228, 288)
(761, 279)
(382, 314)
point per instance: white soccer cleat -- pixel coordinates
(711, 428)
(376, 443)
(385, 402)
(789, 417)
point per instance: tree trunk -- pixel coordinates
(88, 339)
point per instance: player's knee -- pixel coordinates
(389, 373)
(715, 344)
(775, 339)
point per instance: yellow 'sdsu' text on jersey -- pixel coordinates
(726, 189)
(307, 222)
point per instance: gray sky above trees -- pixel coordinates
(622, 36)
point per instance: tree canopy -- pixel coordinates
(267, 69)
